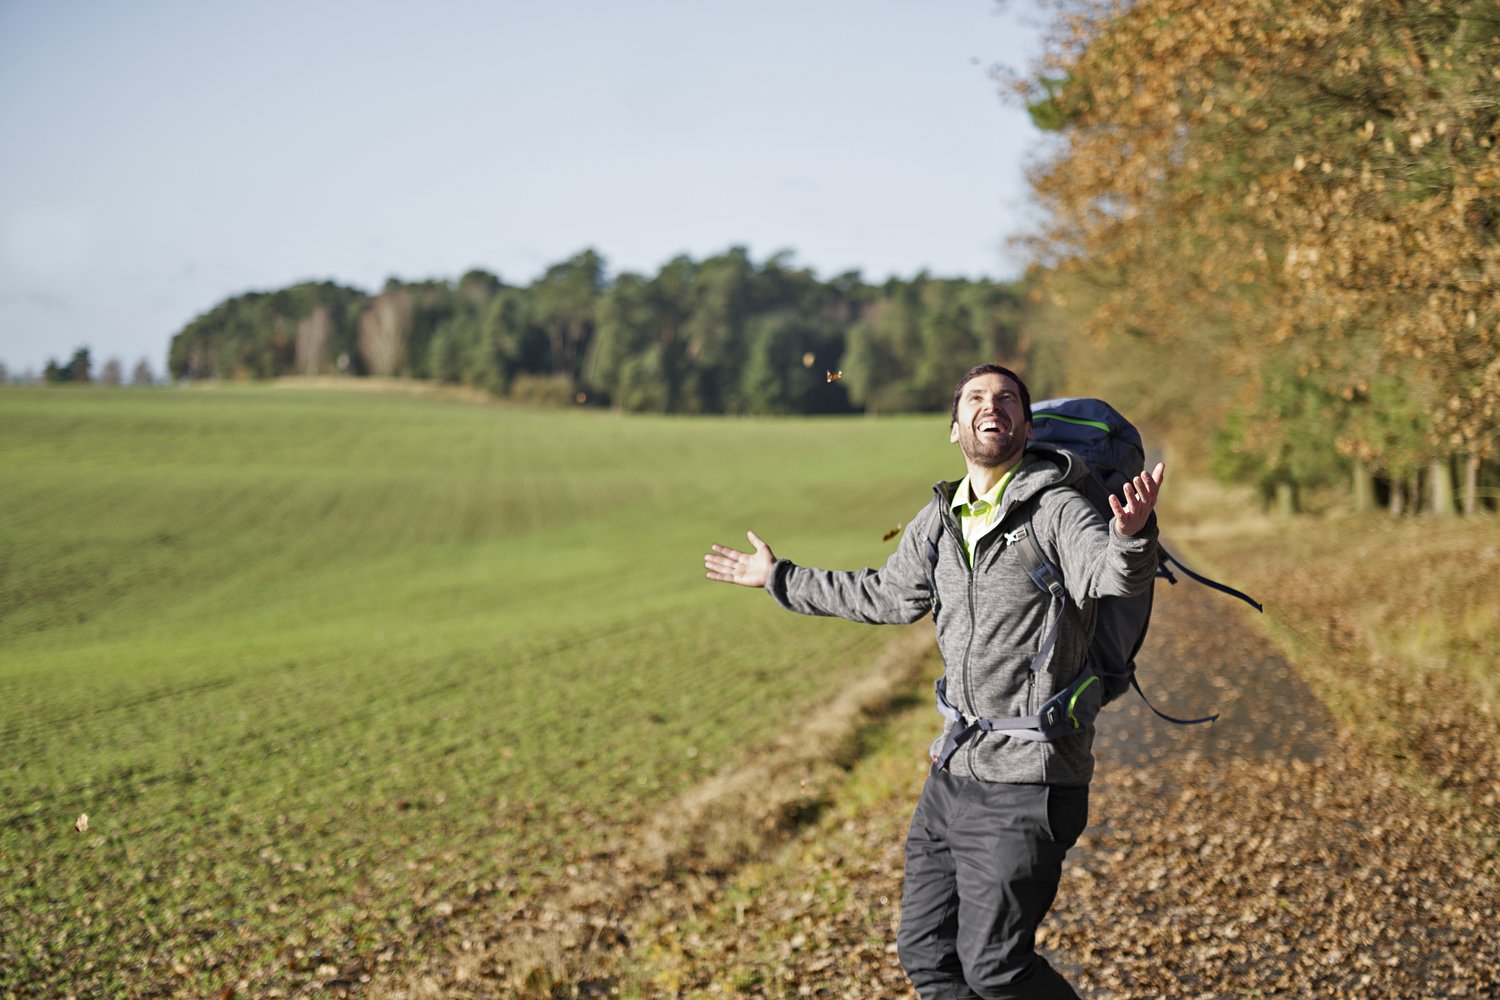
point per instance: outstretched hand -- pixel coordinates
(1140, 498)
(748, 569)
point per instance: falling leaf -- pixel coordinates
(82, 825)
(834, 376)
(891, 534)
(808, 359)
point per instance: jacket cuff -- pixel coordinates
(776, 584)
(1138, 542)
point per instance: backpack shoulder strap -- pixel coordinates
(1042, 572)
(934, 530)
(930, 549)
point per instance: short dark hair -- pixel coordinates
(979, 370)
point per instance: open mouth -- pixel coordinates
(992, 425)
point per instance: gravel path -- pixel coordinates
(1261, 856)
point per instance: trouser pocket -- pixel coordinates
(1067, 814)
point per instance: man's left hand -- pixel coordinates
(1139, 497)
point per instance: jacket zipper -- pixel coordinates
(973, 627)
(951, 524)
(969, 564)
(1031, 674)
(974, 616)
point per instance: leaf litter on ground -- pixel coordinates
(1274, 853)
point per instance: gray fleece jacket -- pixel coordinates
(992, 620)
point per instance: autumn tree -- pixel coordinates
(1297, 204)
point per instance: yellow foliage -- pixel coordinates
(1243, 179)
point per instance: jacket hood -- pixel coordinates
(1042, 467)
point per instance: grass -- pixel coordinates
(324, 670)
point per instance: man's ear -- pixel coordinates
(953, 432)
(1028, 430)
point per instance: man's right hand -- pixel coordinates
(748, 569)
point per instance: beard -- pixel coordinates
(991, 450)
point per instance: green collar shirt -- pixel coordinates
(976, 517)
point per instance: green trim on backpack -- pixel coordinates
(1072, 420)
(1074, 700)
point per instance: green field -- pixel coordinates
(317, 664)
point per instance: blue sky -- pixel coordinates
(157, 157)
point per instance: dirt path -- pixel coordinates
(1259, 857)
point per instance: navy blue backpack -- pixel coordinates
(1111, 448)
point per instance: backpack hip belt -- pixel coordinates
(1056, 718)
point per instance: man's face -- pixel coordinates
(991, 428)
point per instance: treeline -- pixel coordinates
(720, 335)
(79, 369)
(1283, 221)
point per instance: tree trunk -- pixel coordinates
(1471, 484)
(1363, 488)
(1398, 496)
(1440, 485)
(1286, 498)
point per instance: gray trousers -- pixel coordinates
(983, 860)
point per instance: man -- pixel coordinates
(999, 811)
